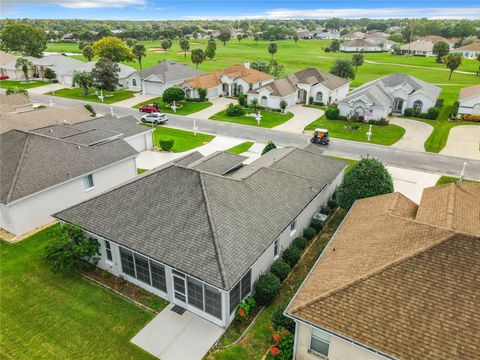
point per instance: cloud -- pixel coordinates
(355, 13)
(82, 4)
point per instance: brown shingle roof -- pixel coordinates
(400, 278)
(469, 91)
(210, 80)
(470, 47)
(9, 103)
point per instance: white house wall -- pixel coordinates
(470, 106)
(140, 142)
(427, 102)
(36, 210)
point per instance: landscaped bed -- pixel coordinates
(383, 135)
(184, 140)
(110, 97)
(46, 315)
(21, 84)
(269, 119)
(187, 107)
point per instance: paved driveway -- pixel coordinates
(416, 133)
(218, 105)
(47, 88)
(136, 99)
(302, 116)
(170, 336)
(463, 141)
(411, 182)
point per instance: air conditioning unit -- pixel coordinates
(320, 216)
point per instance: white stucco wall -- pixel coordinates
(141, 142)
(470, 106)
(36, 210)
(138, 82)
(361, 48)
(426, 101)
(470, 54)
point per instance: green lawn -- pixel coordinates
(383, 135)
(63, 47)
(141, 171)
(55, 316)
(269, 120)
(5, 84)
(350, 162)
(240, 148)
(77, 93)
(184, 140)
(187, 108)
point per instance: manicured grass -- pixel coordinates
(56, 316)
(141, 171)
(187, 108)
(241, 148)
(446, 180)
(184, 140)
(77, 93)
(5, 84)
(269, 120)
(63, 47)
(383, 135)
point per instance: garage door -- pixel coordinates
(153, 88)
(137, 142)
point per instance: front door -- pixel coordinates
(179, 287)
(302, 96)
(398, 105)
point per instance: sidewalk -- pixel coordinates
(136, 99)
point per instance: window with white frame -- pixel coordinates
(275, 249)
(241, 290)
(204, 297)
(88, 182)
(417, 106)
(108, 250)
(320, 342)
(292, 225)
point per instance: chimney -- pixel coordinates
(246, 64)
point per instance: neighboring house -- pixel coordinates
(360, 45)
(328, 35)
(304, 34)
(42, 174)
(230, 81)
(14, 103)
(40, 117)
(123, 75)
(388, 45)
(6, 58)
(198, 232)
(301, 87)
(136, 135)
(469, 100)
(389, 94)
(424, 46)
(159, 77)
(396, 281)
(354, 35)
(470, 51)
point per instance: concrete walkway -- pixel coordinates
(136, 99)
(218, 105)
(416, 134)
(411, 182)
(463, 141)
(170, 336)
(47, 88)
(302, 116)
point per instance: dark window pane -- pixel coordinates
(234, 297)
(195, 293)
(179, 285)
(213, 301)
(108, 250)
(246, 284)
(126, 257)
(159, 280)
(143, 272)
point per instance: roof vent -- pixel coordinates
(78, 147)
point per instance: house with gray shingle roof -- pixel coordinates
(199, 231)
(159, 77)
(302, 87)
(389, 94)
(43, 173)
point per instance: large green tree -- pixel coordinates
(197, 57)
(335, 45)
(357, 60)
(83, 79)
(25, 39)
(105, 74)
(139, 51)
(272, 49)
(185, 46)
(453, 61)
(441, 49)
(23, 64)
(112, 48)
(367, 178)
(225, 35)
(343, 68)
(88, 53)
(211, 49)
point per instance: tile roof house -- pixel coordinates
(42, 174)
(392, 93)
(470, 51)
(397, 281)
(159, 77)
(226, 223)
(230, 81)
(469, 100)
(301, 87)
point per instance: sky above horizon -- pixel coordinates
(220, 9)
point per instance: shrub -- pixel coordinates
(281, 321)
(300, 243)
(327, 49)
(433, 113)
(167, 144)
(280, 269)
(318, 103)
(235, 110)
(332, 113)
(244, 308)
(455, 107)
(317, 225)
(202, 94)
(266, 288)
(291, 255)
(270, 146)
(408, 112)
(342, 117)
(242, 100)
(332, 203)
(90, 108)
(439, 103)
(309, 233)
(173, 94)
(472, 118)
(325, 210)
(310, 100)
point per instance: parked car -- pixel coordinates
(149, 108)
(4, 77)
(155, 118)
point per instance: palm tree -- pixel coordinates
(139, 51)
(184, 45)
(24, 64)
(197, 56)
(343, 68)
(272, 49)
(254, 104)
(453, 61)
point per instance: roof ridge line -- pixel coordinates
(17, 170)
(211, 224)
(451, 205)
(372, 273)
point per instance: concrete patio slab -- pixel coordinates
(170, 336)
(416, 133)
(302, 116)
(411, 182)
(218, 105)
(463, 141)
